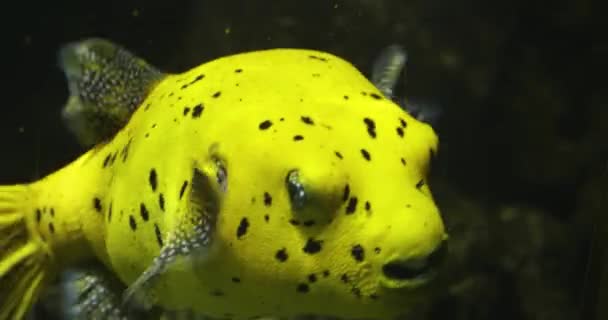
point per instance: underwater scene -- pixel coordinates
(364, 159)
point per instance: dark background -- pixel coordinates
(522, 172)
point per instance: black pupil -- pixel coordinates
(295, 188)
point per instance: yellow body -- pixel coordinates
(97, 200)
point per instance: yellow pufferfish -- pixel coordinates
(270, 183)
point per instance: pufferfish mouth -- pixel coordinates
(414, 272)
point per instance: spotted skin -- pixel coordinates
(263, 114)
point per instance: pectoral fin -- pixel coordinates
(106, 83)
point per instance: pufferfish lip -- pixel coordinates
(414, 272)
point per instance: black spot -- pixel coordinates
(312, 278)
(97, 204)
(303, 288)
(403, 123)
(265, 124)
(358, 252)
(312, 246)
(346, 97)
(309, 223)
(339, 155)
(402, 161)
(113, 158)
(298, 138)
(52, 212)
(110, 212)
(316, 75)
(217, 94)
(51, 228)
(159, 236)
(419, 184)
(236, 279)
(377, 250)
(184, 86)
(281, 255)
(356, 291)
(186, 111)
(217, 293)
(375, 96)
(366, 155)
(242, 229)
(368, 206)
(38, 215)
(371, 127)
(152, 179)
(267, 199)
(197, 110)
(307, 120)
(125, 151)
(266, 218)
(132, 223)
(198, 78)
(144, 212)
(238, 70)
(344, 278)
(294, 222)
(400, 131)
(318, 58)
(183, 189)
(352, 205)
(325, 273)
(161, 202)
(106, 161)
(346, 193)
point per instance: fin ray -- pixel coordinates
(23, 259)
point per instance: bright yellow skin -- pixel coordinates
(280, 86)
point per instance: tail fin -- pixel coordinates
(24, 260)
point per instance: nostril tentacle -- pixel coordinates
(417, 267)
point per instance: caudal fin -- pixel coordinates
(23, 258)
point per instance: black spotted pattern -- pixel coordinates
(265, 124)
(419, 184)
(366, 155)
(241, 230)
(197, 111)
(303, 288)
(312, 246)
(153, 179)
(371, 127)
(159, 236)
(182, 190)
(161, 202)
(143, 211)
(358, 252)
(351, 207)
(132, 223)
(307, 120)
(267, 199)
(97, 204)
(281, 255)
(346, 193)
(400, 131)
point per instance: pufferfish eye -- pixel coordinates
(295, 188)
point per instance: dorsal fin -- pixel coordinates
(107, 83)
